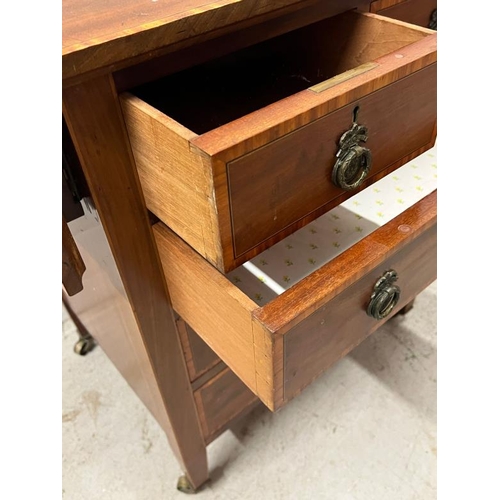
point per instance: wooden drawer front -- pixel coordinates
(235, 154)
(199, 357)
(339, 326)
(411, 11)
(276, 349)
(220, 401)
(283, 182)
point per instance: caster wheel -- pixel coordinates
(84, 346)
(184, 485)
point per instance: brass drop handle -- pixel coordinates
(385, 296)
(353, 161)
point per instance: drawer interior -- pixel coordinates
(288, 262)
(215, 93)
(255, 316)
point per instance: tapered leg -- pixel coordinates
(93, 115)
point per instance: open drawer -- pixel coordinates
(278, 327)
(239, 152)
(421, 12)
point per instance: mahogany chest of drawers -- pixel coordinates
(207, 136)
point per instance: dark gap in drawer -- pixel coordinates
(217, 92)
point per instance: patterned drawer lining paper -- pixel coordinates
(286, 263)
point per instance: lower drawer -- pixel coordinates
(221, 401)
(199, 357)
(277, 344)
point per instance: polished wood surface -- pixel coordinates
(93, 115)
(311, 216)
(250, 339)
(296, 16)
(209, 95)
(410, 11)
(334, 330)
(103, 310)
(73, 266)
(100, 36)
(195, 200)
(282, 182)
(218, 311)
(199, 357)
(176, 182)
(125, 302)
(313, 292)
(222, 400)
(280, 118)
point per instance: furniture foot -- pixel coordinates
(407, 308)
(84, 345)
(86, 342)
(184, 485)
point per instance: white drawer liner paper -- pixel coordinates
(292, 259)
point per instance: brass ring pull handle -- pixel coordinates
(385, 296)
(353, 161)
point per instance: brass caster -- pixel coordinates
(84, 346)
(184, 485)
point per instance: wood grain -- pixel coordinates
(269, 365)
(102, 35)
(93, 114)
(276, 185)
(222, 90)
(307, 12)
(219, 312)
(102, 310)
(334, 330)
(238, 261)
(209, 95)
(320, 287)
(208, 375)
(252, 340)
(411, 11)
(177, 182)
(222, 400)
(286, 115)
(199, 357)
(184, 175)
(73, 266)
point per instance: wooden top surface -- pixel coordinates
(101, 33)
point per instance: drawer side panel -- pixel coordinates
(411, 11)
(220, 401)
(218, 311)
(177, 182)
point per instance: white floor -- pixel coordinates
(366, 430)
